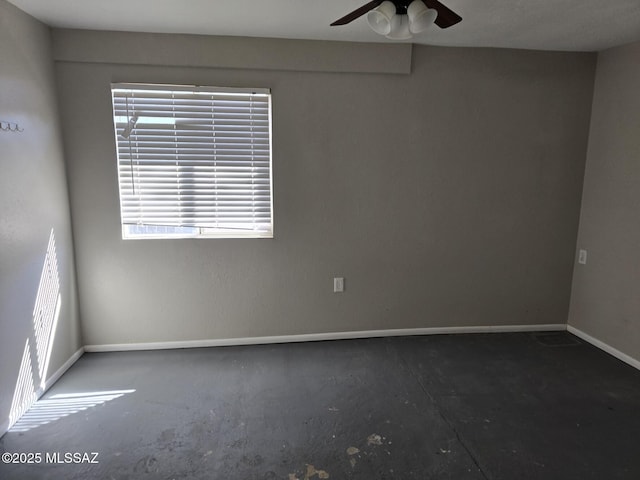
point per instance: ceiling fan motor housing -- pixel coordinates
(401, 6)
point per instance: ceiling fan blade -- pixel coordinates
(446, 17)
(350, 17)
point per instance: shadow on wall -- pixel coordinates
(38, 345)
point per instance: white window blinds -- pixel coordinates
(193, 161)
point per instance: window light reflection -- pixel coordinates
(62, 405)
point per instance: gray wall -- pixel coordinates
(605, 302)
(448, 196)
(34, 202)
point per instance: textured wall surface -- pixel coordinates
(37, 273)
(449, 196)
(605, 301)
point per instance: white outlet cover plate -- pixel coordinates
(582, 257)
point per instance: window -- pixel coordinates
(193, 161)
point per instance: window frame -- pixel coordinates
(251, 206)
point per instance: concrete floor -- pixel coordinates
(499, 406)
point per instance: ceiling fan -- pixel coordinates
(399, 19)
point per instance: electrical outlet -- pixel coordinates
(582, 257)
(338, 284)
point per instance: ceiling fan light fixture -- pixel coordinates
(420, 17)
(380, 19)
(416, 15)
(399, 28)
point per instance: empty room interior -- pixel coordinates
(239, 242)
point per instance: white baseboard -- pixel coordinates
(316, 337)
(604, 346)
(58, 373)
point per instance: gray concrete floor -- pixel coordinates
(499, 406)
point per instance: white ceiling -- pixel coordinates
(574, 25)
